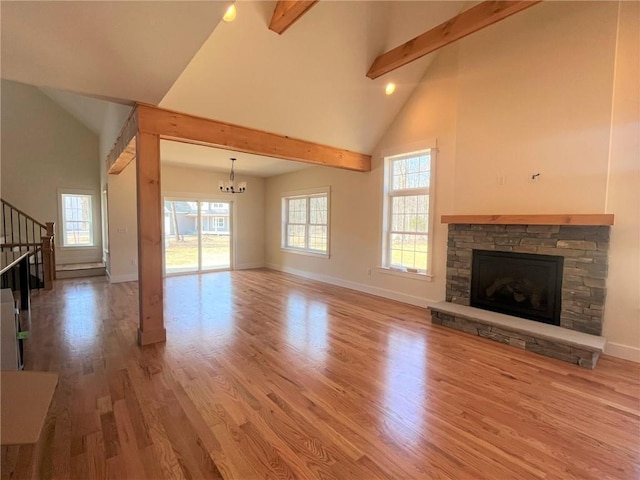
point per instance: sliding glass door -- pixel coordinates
(197, 235)
(215, 234)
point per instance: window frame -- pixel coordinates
(307, 194)
(95, 217)
(415, 150)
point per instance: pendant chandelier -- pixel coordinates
(230, 185)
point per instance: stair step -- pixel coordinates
(79, 266)
(78, 270)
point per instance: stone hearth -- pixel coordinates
(585, 252)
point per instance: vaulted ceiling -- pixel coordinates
(310, 82)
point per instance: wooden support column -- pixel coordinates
(149, 203)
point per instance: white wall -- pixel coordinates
(44, 149)
(123, 226)
(535, 97)
(122, 253)
(531, 94)
(248, 208)
(622, 312)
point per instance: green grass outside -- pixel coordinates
(184, 252)
(410, 259)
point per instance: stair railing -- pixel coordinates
(20, 233)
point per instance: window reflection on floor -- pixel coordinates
(200, 307)
(81, 314)
(405, 385)
(307, 327)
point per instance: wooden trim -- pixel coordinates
(287, 12)
(182, 127)
(149, 204)
(470, 21)
(123, 151)
(568, 219)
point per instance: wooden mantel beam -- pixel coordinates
(287, 12)
(181, 127)
(470, 21)
(527, 219)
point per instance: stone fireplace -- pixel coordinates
(576, 249)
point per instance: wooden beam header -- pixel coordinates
(470, 21)
(185, 128)
(287, 12)
(124, 150)
(568, 219)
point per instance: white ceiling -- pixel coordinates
(113, 49)
(196, 156)
(88, 110)
(308, 83)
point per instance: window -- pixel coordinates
(305, 219)
(407, 220)
(213, 224)
(77, 220)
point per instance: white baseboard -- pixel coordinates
(622, 351)
(131, 277)
(360, 287)
(248, 266)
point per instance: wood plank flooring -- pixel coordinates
(266, 375)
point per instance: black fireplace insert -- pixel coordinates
(520, 284)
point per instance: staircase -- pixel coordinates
(21, 233)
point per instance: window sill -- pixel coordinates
(422, 277)
(304, 252)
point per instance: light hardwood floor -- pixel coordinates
(266, 375)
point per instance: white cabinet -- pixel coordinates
(11, 347)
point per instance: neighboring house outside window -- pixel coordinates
(407, 219)
(77, 219)
(305, 221)
(215, 224)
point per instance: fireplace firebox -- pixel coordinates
(520, 284)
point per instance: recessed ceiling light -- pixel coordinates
(230, 14)
(390, 88)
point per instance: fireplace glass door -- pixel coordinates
(519, 284)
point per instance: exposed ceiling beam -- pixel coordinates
(287, 12)
(470, 21)
(181, 127)
(186, 128)
(124, 150)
